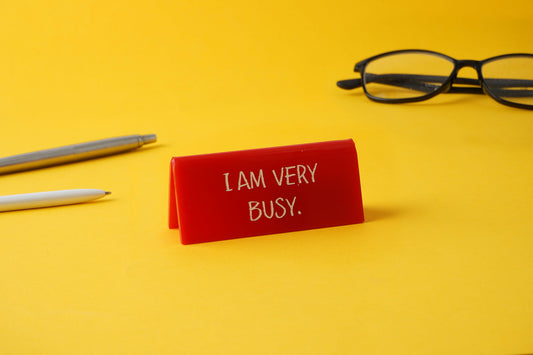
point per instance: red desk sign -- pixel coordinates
(264, 191)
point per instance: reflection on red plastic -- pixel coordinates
(264, 191)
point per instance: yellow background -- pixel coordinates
(443, 264)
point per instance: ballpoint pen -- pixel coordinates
(49, 199)
(73, 153)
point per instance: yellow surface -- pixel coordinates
(443, 264)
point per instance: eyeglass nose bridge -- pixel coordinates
(459, 64)
(474, 64)
(474, 86)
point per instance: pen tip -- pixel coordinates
(149, 138)
(108, 192)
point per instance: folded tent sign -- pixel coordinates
(265, 191)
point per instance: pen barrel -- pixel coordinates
(72, 153)
(48, 199)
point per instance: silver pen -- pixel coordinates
(73, 153)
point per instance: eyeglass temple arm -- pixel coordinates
(501, 87)
(426, 83)
(511, 87)
(349, 84)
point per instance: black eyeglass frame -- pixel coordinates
(447, 86)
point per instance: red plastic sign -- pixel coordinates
(264, 191)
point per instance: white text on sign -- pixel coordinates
(279, 207)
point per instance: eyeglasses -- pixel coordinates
(416, 75)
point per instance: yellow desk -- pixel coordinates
(443, 264)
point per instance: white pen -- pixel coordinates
(49, 199)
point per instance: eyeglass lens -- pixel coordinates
(510, 78)
(406, 75)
